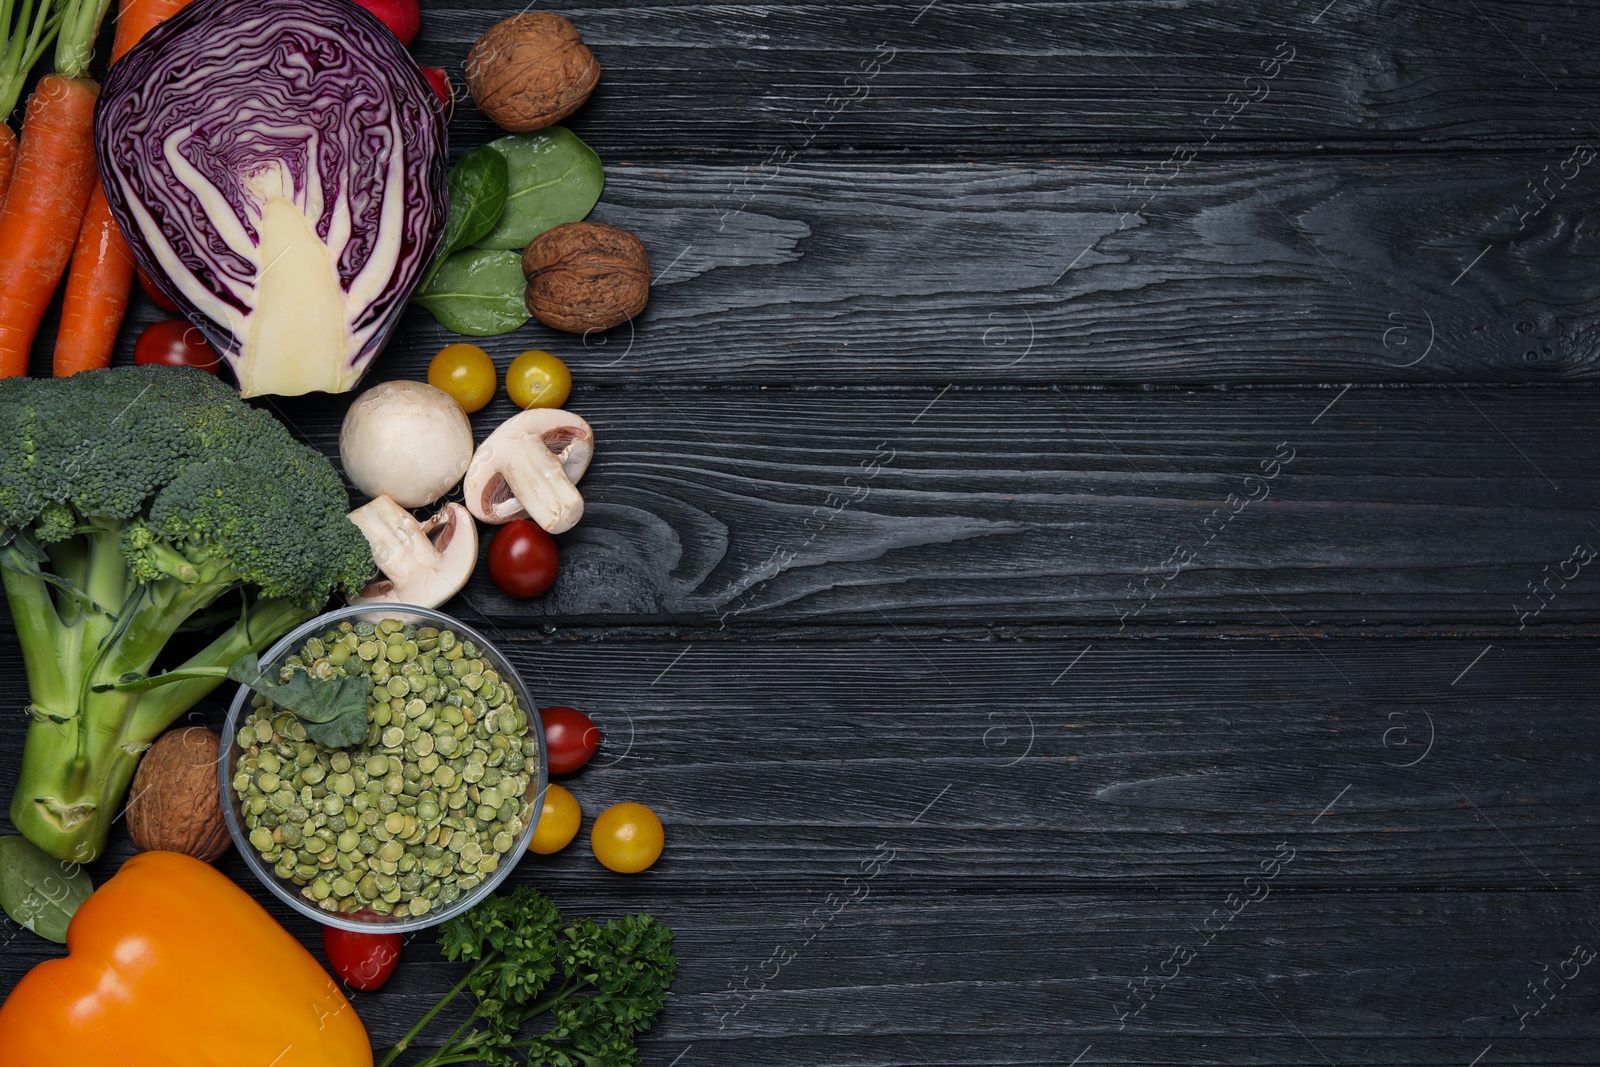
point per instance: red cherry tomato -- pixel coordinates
(522, 559)
(156, 296)
(363, 960)
(404, 17)
(443, 88)
(570, 738)
(175, 343)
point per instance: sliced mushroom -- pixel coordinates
(528, 466)
(421, 563)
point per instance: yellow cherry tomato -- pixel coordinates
(538, 380)
(465, 372)
(558, 821)
(627, 838)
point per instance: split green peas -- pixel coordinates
(421, 811)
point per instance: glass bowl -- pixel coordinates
(286, 890)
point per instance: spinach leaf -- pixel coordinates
(478, 187)
(479, 292)
(334, 710)
(554, 178)
(39, 891)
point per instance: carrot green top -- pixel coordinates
(26, 29)
(80, 22)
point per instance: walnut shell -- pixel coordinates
(175, 805)
(531, 71)
(585, 276)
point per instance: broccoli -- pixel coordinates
(136, 503)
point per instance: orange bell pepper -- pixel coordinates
(171, 964)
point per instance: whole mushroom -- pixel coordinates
(407, 440)
(529, 467)
(421, 563)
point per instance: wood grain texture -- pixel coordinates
(1014, 899)
(1423, 509)
(904, 978)
(975, 80)
(1145, 766)
(1032, 979)
(911, 592)
(1293, 271)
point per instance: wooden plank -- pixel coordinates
(933, 979)
(1424, 509)
(1297, 271)
(901, 977)
(824, 607)
(1037, 765)
(1014, 80)
(1149, 765)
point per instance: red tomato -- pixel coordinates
(522, 558)
(404, 17)
(443, 88)
(175, 343)
(363, 960)
(570, 738)
(155, 295)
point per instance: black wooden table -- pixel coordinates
(1089, 546)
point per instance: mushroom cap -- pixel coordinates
(421, 563)
(405, 439)
(528, 467)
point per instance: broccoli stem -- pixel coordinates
(73, 775)
(83, 746)
(48, 659)
(263, 623)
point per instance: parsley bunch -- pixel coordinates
(613, 984)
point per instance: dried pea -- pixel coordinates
(409, 828)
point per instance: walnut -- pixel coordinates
(531, 71)
(586, 276)
(175, 804)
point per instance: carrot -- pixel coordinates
(27, 29)
(44, 208)
(8, 158)
(138, 17)
(97, 292)
(101, 277)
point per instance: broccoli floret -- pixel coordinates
(131, 501)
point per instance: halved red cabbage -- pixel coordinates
(279, 168)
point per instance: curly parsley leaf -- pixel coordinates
(614, 982)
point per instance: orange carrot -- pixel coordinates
(8, 158)
(97, 292)
(101, 277)
(44, 208)
(137, 18)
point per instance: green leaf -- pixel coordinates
(350, 728)
(478, 187)
(334, 710)
(555, 178)
(478, 292)
(38, 891)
